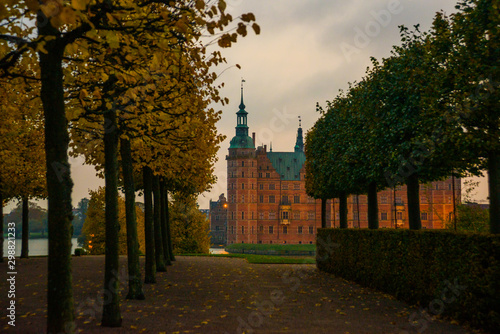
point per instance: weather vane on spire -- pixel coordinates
(242, 105)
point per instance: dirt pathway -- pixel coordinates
(220, 295)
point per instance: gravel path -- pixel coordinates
(220, 295)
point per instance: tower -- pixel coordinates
(242, 182)
(299, 143)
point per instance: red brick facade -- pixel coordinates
(218, 221)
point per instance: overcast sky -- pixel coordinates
(306, 52)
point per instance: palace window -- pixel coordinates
(296, 186)
(261, 229)
(285, 186)
(285, 229)
(284, 199)
(243, 164)
(268, 175)
(271, 186)
(271, 199)
(296, 199)
(383, 216)
(310, 215)
(296, 215)
(260, 174)
(242, 215)
(272, 215)
(261, 186)
(261, 199)
(399, 215)
(242, 174)
(243, 230)
(383, 200)
(242, 186)
(271, 229)
(242, 198)
(423, 215)
(261, 215)
(300, 230)
(284, 215)
(311, 230)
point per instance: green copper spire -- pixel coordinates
(299, 144)
(241, 140)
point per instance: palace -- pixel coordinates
(267, 200)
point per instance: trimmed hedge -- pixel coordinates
(449, 273)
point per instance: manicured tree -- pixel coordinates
(471, 43)
(424, 140)
(315, 185)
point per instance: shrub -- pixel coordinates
(450, 273)
(79, 251)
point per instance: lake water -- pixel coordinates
(41, 247)
(36, 246)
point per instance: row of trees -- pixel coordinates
(428, 111)
(185, 225)
(119, 81)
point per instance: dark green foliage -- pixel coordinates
(420, 267)
(79, 251)
(471, 218)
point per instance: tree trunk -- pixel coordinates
(494, 191)
(148, 226)
(1, 222)
(111, 316)
(134, 270)
(169, 234)
(372, 206)
(160, 262)
(60, 306)
(25, 229)
(323, 213)
(343, 210)
(164, 233)
(413, 202)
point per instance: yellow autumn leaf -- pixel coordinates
(68, 16)
(79, 4)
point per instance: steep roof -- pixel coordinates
(287, 164)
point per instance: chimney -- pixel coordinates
(253, 138)
(265, 148)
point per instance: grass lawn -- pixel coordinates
(268, 259)
(276, 247)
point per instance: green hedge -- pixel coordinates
(277, 247)
(454, 274)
